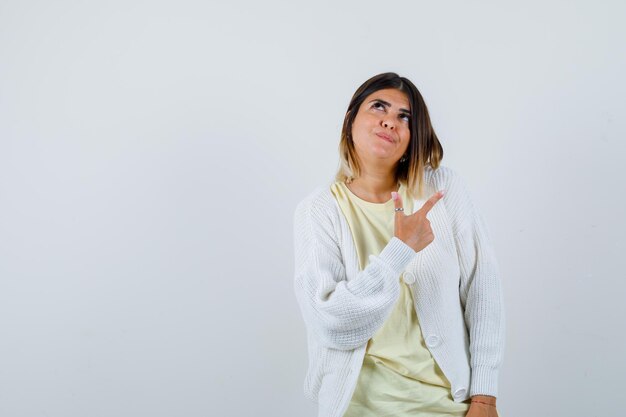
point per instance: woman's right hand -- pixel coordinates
(414, 229)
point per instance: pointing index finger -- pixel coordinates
(430, 203)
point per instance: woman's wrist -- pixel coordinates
(484, 399)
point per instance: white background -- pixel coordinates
(152, 154)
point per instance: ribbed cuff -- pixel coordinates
(484, 381)
(397, 254)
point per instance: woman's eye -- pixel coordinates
(404, 116)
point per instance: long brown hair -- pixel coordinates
(424, 147)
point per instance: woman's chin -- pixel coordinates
(378, 153)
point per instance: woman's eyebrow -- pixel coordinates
(389, 105)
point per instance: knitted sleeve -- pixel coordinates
(343, 314)
(480, 286)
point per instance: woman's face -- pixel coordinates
(380, 130)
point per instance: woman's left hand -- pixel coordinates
(482, 410)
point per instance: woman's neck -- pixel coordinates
(374, 188)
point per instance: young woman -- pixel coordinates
(395, 274)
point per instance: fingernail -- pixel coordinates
(394, 195)
(442, 192)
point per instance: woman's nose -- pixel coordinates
(387, 123)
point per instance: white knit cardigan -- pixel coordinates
(457, 293)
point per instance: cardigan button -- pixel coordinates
(408, 277)
(433, 340)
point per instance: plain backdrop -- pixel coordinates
(152, 154)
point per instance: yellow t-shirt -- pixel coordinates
(399, 376)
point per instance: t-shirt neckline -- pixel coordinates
(370, 204)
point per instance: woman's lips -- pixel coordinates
(385, 137)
